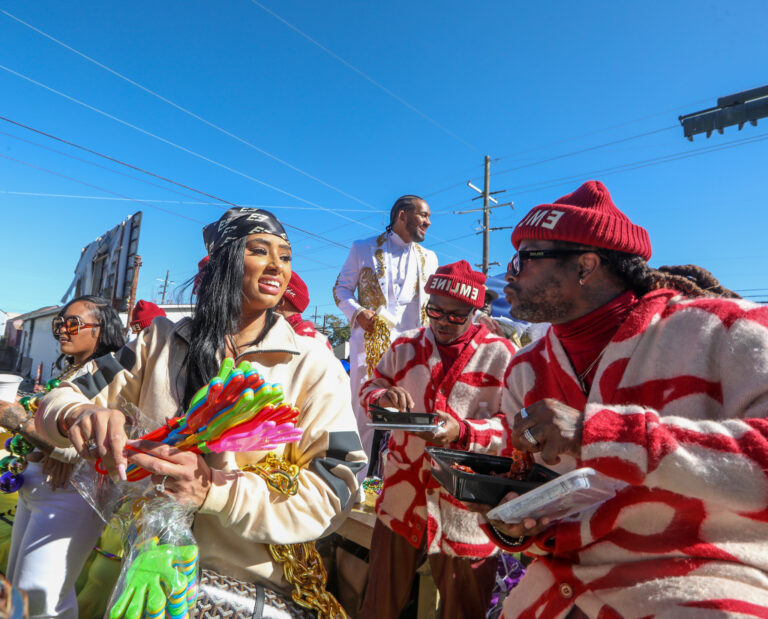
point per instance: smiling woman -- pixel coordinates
(239, 517)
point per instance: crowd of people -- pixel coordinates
(657, 379)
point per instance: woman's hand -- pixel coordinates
(396, 397)
(56, 472)
(182, 475)
(97, 432)
(12, 415)
(445, 434)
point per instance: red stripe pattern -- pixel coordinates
(473, 390)
(678, 410)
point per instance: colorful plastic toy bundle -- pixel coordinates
(236, 411)
(162, 581)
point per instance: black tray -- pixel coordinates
(381, 415)
(480, 486)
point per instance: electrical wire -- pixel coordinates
(182, 148)
(365, 76)
(188, 112)
(75, 180)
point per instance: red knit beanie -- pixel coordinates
(297, 292)
(587, 216)
(200, 269)
(459, 281)
(144, 313)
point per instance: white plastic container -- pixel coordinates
(564, 496)
(9, 387)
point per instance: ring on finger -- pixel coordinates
(90, 444)
(523, 413)
(530, 438)
(160, 488)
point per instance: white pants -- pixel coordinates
(53, 533)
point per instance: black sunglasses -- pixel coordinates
(70, 324)
(516, 264)
(456, 319)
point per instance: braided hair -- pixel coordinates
(689, 279)
(403, 203)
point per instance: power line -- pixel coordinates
(70, 178)
(363, 75)
(188, 112)
(182, 148)
(586, 150)
(156, 201)
(572, 139)
(635, 165)
(121, 197)
(96, 165)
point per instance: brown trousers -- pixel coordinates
(465, 585)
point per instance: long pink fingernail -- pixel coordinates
(121, 471)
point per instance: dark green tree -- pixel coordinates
(336, 328)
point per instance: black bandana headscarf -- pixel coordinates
(238, 222)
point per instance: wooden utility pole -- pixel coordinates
(165, 287)
(487, 195)
(134, 284)
(486, 213)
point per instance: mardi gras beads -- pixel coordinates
(14, 465)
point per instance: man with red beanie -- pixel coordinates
(653, 378)
(143, 314)
(295, 300)
(459, 370)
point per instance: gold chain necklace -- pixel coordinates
(301, 563)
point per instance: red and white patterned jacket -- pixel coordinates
(678, 410)
(473, 390)
(307, 329)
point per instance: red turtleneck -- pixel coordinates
(585, 338)
(450, 352)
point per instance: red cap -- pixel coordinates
(144, 313)
(587, 216)
(459, 281)
(297, 293)
(199, 277)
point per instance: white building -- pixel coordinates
(38, 346)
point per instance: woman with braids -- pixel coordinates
(55, 529)
(238, 514)
(658, 379)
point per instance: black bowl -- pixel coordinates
(481, 486)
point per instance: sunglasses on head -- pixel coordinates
(516, 264)
(437, 314)
(70, 324)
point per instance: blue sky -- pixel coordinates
(372, 101)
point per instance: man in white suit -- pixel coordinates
(389, 272)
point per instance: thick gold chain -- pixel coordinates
(303, 568)
(376, 343)
(280, 475)
(302, 565)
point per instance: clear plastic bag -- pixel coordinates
(160, 572)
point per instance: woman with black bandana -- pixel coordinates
(238, 514)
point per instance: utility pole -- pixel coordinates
(165, 286)
(487, 195)
(315, 316)
(134, 284)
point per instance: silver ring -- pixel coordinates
(529, 437)
(90, 444)
(160, 488)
